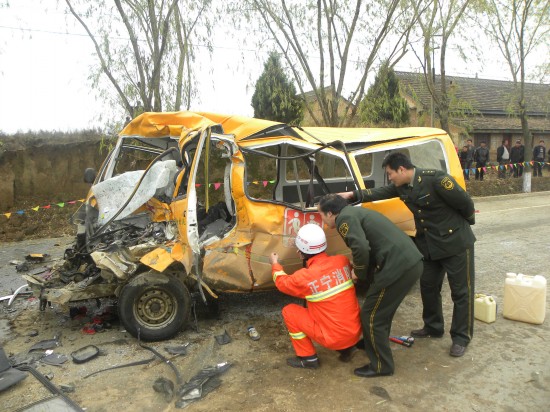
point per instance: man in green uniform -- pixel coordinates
(387, 259)
(443, 213)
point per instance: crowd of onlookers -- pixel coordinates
(511, 161)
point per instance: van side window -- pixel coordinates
(261, 173)
(288, 179)
(427, 155)
(330, 175)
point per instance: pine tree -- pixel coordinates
(275, 96)
(382, 104)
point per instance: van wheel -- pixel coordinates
(155, 305)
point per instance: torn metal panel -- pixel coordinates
(118, 262)
(20, 291)
(224, 269)
(158, 259)
(160, 212)
(74, 293)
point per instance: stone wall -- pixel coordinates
(46, 168)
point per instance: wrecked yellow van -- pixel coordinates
(188, 205)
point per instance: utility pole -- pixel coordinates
(433, 78)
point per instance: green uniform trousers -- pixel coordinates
(460, 273)
(377, 314)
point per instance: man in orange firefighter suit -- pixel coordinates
(331, 317)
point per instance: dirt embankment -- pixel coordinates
(493, 186)
(46, 167)
(42, 181)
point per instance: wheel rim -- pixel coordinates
(155, 308)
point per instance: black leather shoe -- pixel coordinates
(457, 350)
(306, 362)
(425, 333)
(367, 372)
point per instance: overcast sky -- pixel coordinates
(45, 58)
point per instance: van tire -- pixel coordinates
(154, 305)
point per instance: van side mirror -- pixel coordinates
(89, 175)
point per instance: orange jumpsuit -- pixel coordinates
(332, 314)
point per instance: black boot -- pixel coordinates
(307, 362)
(347, 354)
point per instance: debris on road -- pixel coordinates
(22, 291)
(47, 344)
(177, 350)
(37, 257)
(9, 376)
(253, 333)
(54, 359)
(223, 339)
(201, 384)
(85, 354)
(126, 365)
(164, 386)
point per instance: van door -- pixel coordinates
(184, 204)
(206, 211)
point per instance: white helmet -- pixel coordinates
(311, 239)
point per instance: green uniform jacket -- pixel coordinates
(443, 212)
(376, 244)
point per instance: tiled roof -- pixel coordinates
(485, 96)
(491, 124)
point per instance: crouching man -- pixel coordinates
(388, 260)
(331, 317)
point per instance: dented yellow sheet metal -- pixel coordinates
(365, 135)
(178, 124)
(240, 126)
(262, 228)
(159, 211)
(158, 259)
(152, 124)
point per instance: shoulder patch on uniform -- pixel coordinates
(343, 229)
(447, 183)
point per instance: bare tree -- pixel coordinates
(144, 49)
(438, 20)
(321, 39)
(519, 28)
